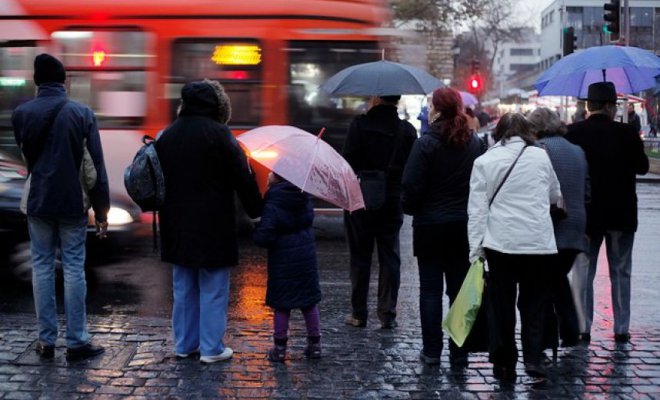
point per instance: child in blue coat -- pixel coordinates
(286, 231)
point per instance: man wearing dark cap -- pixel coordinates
(615, 155)
(377, 144)
(55, 135)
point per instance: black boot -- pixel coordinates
(278, 352)
(313, 348)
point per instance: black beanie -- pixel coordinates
(48, 69)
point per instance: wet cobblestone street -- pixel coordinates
(357, 363)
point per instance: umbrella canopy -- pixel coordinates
(307, 162)
(631, 69)
(468, 98)
(381, 78)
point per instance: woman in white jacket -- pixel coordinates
(512, 228)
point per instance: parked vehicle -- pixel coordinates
(124, 220)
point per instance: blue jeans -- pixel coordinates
(69, 234)
(199, 313)
(619, 247)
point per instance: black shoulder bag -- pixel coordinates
(373, 183)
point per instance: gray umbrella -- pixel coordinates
(381, 78)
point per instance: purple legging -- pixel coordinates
(281, 322)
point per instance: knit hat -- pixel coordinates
(48, 69)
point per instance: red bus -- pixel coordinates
(128, 60)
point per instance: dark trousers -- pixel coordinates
(448, 258)
(561, 310)
(364, 229)
(508, 275)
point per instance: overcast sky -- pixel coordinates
(531, 11)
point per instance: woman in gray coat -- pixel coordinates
(570, 165)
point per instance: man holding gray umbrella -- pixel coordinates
(377, 147)
(615, 154)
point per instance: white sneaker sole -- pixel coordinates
(225, 355)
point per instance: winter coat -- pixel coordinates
(615, 154)
(203, 167)
(55, 157)
(370, 140)
(570, 165)
(436, 179)
(286, 230)
(518, 221)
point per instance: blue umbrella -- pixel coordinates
(381, 78)
(631, 69)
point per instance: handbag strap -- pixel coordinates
(508, 172)
(46, 130)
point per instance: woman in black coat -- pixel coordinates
(293, 278)
(203, 167)
(436, 185)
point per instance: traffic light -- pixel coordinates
(569, 41)
(612, 17)
(475, 85)
(475, 65)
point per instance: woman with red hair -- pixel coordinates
(436, 185)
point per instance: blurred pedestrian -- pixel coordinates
(293, 278)
(377, 141)
(203, 167)
(423, 118)
(633, 118)
(472, 120)
(55, 135)
(570, 165)
(511, 189)
(580, 111)
(436, 184)
(615, 155)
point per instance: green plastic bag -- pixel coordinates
(463, 312)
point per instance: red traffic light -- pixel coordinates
(475, 84)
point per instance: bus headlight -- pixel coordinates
(119, 216)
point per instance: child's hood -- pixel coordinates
(295, 206)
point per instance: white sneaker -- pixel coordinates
(225, 355)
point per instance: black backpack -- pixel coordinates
(144, 180)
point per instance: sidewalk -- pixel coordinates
(367, 363)
(357, 363)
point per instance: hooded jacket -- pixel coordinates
(286, 230)
(203, 167)
(56, 156)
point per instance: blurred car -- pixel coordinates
(124, 220)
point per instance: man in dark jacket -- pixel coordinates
(203, 166)
(53, 133)
(377, 140)
(615, 154)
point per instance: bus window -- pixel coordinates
(16, 86)
(106, 70)
(235, 64)
(311, 64)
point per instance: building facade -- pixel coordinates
(514, 59)
(586, 16)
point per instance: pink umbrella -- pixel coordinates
(306, 161)
(468, 98)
